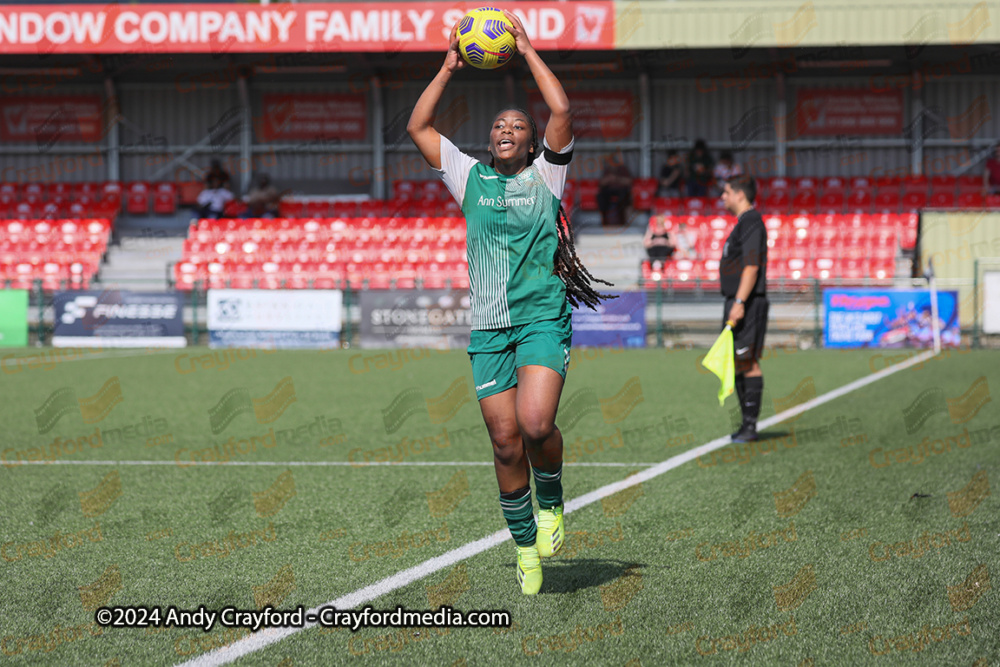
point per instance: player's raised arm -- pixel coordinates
(559, 130)
(420, 127)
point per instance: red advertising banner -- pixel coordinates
(46, 120)
(606, 114)
(237, 28)
(848, 111)
(320, 116)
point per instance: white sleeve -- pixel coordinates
(455, 169)
(554, 166)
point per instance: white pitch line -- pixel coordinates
(307, 464)
(263, 638)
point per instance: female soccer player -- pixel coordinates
(524, 275)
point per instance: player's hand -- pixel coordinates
(517, 30)
(736, 312)
(453, 61)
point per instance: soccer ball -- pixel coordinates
(483, 39)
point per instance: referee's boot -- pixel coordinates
(747, 433)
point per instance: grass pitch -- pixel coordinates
(864, 531)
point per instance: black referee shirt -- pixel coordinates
(746, 246)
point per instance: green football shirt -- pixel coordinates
(511, 235)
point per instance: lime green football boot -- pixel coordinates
(551, 532)
(529, 570)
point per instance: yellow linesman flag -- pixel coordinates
(720, 361)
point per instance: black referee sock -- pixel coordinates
(754, 388)
(741, 388)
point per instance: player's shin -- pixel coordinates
(517, 510)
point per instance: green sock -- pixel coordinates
(548, 487)
(516, 507)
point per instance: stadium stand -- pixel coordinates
(834, 249)
(325, 253)
(62, 254)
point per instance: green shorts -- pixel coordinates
(497, 354)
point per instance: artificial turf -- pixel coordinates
(828, 543)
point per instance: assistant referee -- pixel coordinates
(743, 275)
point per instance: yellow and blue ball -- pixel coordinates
(484, 40)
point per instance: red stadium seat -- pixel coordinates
(859, 201)
(137, 203)
(852, 270)
(886, 201)
(971, 200)
(779, 184)
(882, 269)
(942, 199)
(24, 211)
(914, 200)
(698, 205)
(798, 268)
(370, 208)
(805, 201)
(165, 199)
(317, 209)
(970, 184)
(91, 190)
(60, 190)
(289, 208)
(188, 192)
(588, 194)
(112, 188)
(668, 205)
(344, 209)
(943, 183)
(915, 184)
(34, 193)
(53, 210)
(834, 184)
(805, 183)
(778, 201)
(233, 209)
(825, 268)
(832, 201)
(410, 188)
(888, 183)
(992, 201)
(643, 192)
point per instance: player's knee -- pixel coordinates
(536, 429)
(506, 441)
(508, 451)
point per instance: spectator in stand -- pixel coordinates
(991, 177)
(263, 199)
(726, 169)
(216, 171)
(657, 241)
(671, 176)
(213, 199)
(699, 166)
(685, 240)
(614, 197)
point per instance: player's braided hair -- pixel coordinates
(566, 263)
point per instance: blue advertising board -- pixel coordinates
(118, 319)
(888, 318)
(617, 322)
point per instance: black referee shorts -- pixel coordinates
(748, 335)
